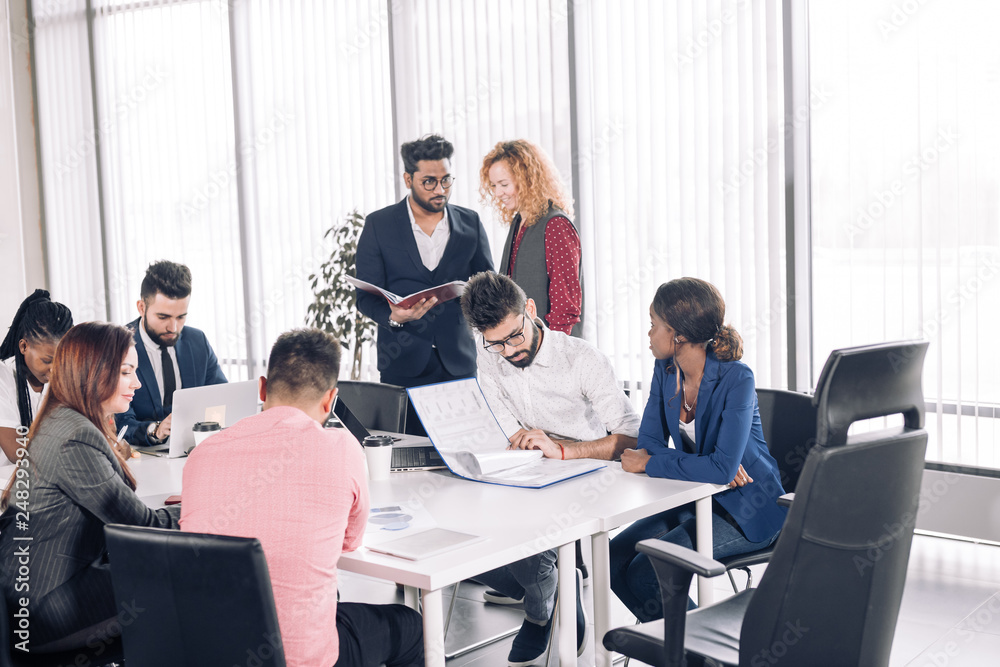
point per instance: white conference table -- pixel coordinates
(516, 522)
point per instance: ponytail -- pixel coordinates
(727, 344)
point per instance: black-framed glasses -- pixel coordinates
(430, 184)
(515, 339)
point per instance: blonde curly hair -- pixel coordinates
(535, 176)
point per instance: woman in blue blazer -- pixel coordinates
(703, 398)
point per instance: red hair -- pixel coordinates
(535, 176)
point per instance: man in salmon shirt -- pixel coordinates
(301, 490)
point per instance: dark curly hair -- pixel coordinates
(427, 147)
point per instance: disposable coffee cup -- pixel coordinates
(378, 453)
(204, 429)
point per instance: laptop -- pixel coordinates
(409, 452)
(225, 403)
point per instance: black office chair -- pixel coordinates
(205, 599)
(378, 406)
(789, 422)
(831, 593)
(104, 652)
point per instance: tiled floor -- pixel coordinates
(949, 617)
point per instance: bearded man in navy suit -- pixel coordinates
(171, 355)
(418, 243)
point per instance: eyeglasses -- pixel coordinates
(430, 184)
(515, 339)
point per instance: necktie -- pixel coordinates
(169, 381)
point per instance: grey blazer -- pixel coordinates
(76, 485)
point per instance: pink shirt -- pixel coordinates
(299, 489)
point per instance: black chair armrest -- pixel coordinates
(786, 500)
(682, 557)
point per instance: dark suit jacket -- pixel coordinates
(728, 434)
(388, 257)
(75, 486)
(198, 365)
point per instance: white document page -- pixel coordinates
(462, 427)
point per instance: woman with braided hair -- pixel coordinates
(26, 355)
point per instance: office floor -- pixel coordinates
(949, 617)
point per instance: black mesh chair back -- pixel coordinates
(869, 381)
(198, 599)
(788, 419)
(378, 406)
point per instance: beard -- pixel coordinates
(158, 338)
(433, 204)
(530, 353)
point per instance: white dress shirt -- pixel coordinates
(569, 391)
(153, 352)
(431, 247)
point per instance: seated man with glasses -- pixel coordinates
(552, 392)
(419, 243)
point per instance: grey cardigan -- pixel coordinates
(76, 486)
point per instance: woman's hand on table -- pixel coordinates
(634, 460)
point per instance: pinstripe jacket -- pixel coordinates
(75, 486)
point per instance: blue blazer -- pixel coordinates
(388, 257)
(198, 366)
(729, 434)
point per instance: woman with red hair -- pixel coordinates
(71, 480)
(542, 251)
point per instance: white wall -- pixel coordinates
(21, 257)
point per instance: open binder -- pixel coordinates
(461, 426)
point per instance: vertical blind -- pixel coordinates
(906, 242)
(68, 159)
(680, 158)
(168, 159)
(237, 132)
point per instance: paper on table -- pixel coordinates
(388, 522)
(462, 428)
(427, 543)
(444, 292)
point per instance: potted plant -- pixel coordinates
(334, 307)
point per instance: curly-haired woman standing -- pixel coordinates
(542, 251)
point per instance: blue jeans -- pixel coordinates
(632, 577)
(535, 578)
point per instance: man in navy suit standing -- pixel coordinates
(171, 356)
(418, 243)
